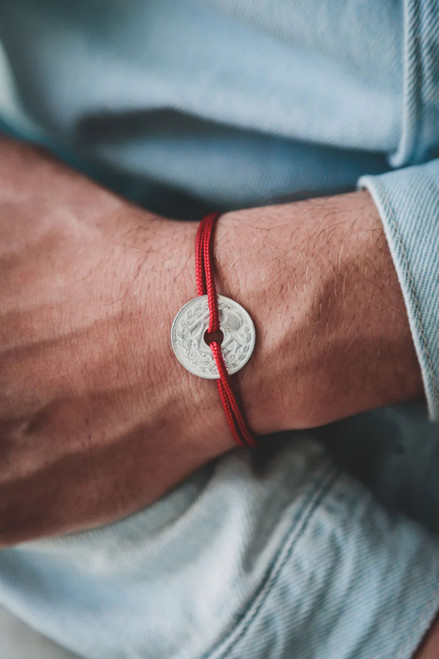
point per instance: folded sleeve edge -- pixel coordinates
(405, 278)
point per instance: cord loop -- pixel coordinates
(206, 286)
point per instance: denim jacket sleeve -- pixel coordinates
(408, 198)
(408, 203)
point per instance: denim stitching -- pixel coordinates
(412, 288)
(255, 606)
(411, 107)
(418, 118)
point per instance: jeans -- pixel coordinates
(278, 552)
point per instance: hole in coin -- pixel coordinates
(213, 336)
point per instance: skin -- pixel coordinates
(97, 418)
(429, 648)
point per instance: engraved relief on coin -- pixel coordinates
(190, 325)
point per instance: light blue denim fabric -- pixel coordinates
(401, 196)
(320, 544)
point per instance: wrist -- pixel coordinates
(187, 408)
(332, 333)
(333, 337)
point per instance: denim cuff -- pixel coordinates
(408, 203)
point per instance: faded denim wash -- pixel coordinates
(321, 544)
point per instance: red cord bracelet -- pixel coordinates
(229, 336)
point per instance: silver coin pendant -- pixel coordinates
(188, 336)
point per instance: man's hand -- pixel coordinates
(97, 418)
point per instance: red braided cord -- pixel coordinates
(206, 286)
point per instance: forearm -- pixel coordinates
(93, 405)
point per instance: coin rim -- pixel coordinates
(252, 343)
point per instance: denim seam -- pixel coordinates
(408, 142)
(256, 603)
(394, 224)
(424, 45)
(419, 118)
